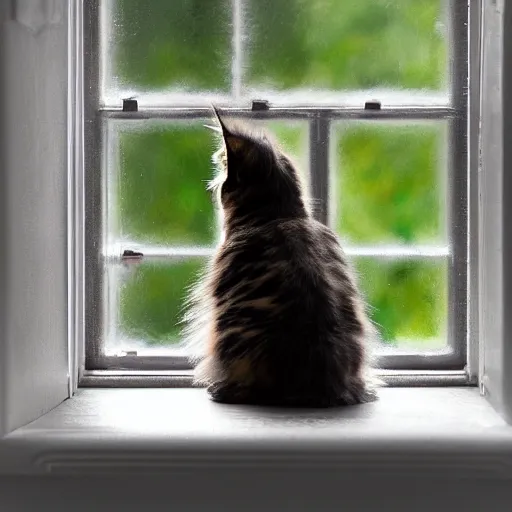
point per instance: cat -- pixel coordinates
(276, 318)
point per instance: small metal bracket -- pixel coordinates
(260, 105)
(130, 105)
(130, 256)
(372, 105)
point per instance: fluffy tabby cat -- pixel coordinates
(277, 318)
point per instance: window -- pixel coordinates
(369, 96)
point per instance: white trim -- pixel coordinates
(289, 99)
(183, 378)
(75, 196)
(237, 65)
(475, 47)
(436, 433)
(33, 193)
(495, 357)
(378, 251)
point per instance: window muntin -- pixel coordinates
(421, 319)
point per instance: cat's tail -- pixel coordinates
(199, 335)
(370, 373)
(196, 320)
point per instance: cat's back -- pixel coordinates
(287, 308)
(310, 244)
(298, 259)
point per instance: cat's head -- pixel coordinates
(255, 180)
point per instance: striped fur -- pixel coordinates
(276, 318)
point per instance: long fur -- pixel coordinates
(277, 317)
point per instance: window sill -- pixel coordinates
(436, 432)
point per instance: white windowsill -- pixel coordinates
(444, 432)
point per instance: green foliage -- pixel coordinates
(349, 44)
(408, 298)
(335, 44)
(389, 182)
(162, 185)
(152, 300)
(183, 43)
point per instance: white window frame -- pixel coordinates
(448, 364)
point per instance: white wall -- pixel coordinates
(33, 188)
(496, 218)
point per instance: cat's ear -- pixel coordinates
(235, 144)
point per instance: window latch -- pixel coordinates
(129, 257)
(130, 105)
(372, 105)
(260, 105)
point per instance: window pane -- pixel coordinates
(163, 173)
(389, 182)
(160, 44)
(408, 300)
(349, 44)
(162, 196)
(151, 302)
